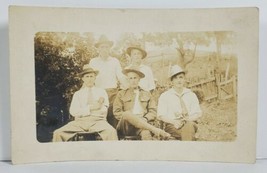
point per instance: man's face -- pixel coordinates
(89, 79)
(178, 80)
(136, 56)
(103, 50)
(133, 79)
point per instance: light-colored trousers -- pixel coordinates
(88, 124)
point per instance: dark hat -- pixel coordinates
(138, 47)
(87, 69)
(103, 40)
(140, 74)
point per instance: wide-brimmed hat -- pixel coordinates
(176, 69)
(138, 47)
(139, 73)
(103, 40)
(87, 69)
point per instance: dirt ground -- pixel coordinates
(218, 122)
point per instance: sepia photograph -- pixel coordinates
(136, 86)
(133, 84)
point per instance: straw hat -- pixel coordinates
(138, 47)
(87, 69)
(103, 40)
(176, 69)
(139, 73)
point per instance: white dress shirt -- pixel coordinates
(169, 103)
(110, 72)
(81, 107)
(137, 108)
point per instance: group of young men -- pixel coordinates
(118, 102)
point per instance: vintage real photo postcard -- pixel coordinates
(133, 84)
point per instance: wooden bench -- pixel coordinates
(87, 136)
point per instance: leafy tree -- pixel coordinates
(58, 59)
(184, 56)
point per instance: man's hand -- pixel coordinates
(95, 106)
(178, 123)
(186, 118)
(145, 119)
(101, 100)
(179, 115)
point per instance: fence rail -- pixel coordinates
(216, 87)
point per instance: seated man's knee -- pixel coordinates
(145, 135)
(113, 131)
(123, 121)
(190, 124)
(126, 119)
(188, 131)
(57, 135)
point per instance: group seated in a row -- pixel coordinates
(134, 108)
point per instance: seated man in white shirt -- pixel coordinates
(137, 55)
(89, 106)
(135, 108)
(179, 107)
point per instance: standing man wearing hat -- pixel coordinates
(110, 73)
(89, 106)
(134, 108)
(137, 54)
(179, 107)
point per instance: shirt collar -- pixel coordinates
(132, 90)
(185, 90)
(109, 58)
(87, 88)
(141, 65)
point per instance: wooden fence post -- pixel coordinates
(234, 87)
(217, 79)
(227, 71)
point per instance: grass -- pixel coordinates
(219, 121)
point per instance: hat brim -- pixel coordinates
(88, 71)
(177, 74)
(129, 49)
(140, 74)
(110, 43)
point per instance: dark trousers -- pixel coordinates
(112, 93)
(185, 133)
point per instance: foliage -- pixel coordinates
(58, 59)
